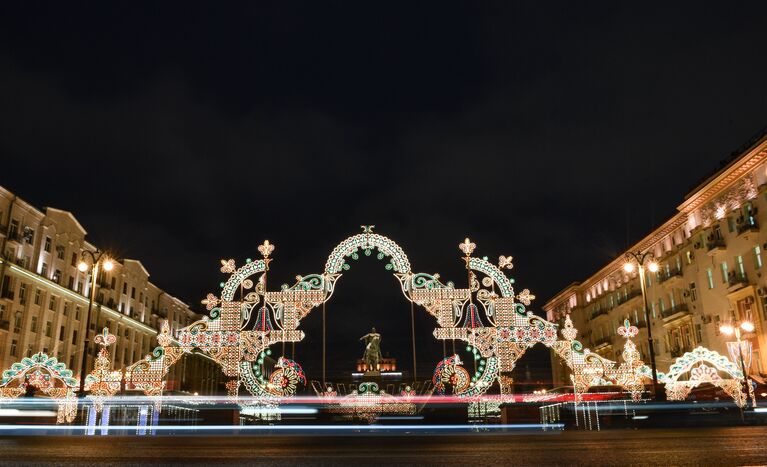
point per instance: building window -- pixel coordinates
(13, 231)
(757, 257)
(731, 224)
(48, 329)
(710, 278)
(14, 348)
(74, 337)
(74, 259)
(60, 252)
(71, 284)
(57, 276)
(17, 323)
(77, 312)
(648, 279)
(654, 315)
(47, 246)
(44, 270)
(52, 302)
(693, 291)
(125, 288)
(38, 296)
(717, 320)
(661, 305)
(23, 293)
(62, 333)
(132, 292)
(723, 267)
(71, 362)
(33, 328)
(741, 267)
(688, 256)
(114, 283)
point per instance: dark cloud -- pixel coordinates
(179, 134)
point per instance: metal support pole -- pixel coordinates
(91, 298)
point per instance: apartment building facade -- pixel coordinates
(44, 299)
(712, 257)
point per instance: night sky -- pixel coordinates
(179, 134)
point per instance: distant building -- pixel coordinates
(44, 298)
(712, 271)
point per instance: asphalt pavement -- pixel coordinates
(702, 446)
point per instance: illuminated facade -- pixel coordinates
(44, 298)
(712, 271)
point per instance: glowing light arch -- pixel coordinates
(488, 315)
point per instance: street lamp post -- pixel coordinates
(730, 329)
(96, 258)
(639, 258)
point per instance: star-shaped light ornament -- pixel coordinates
(504, 262)
(467, 247)
(525, 297)
(227, 266)
(266, 249)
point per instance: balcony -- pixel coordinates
(16, 237)
(736, 281)
(675, 311)
(599, 313)
(747, 224)
(675, 273)
(715, 245)
(632, 294)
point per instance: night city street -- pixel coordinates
(371, 233)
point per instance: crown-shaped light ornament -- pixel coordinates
(266, 249)
(525, 297)
(627, 330)
(569, 332)
(467, 247)
(105, 338)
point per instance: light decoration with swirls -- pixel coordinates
(246, 318)
(702, 365)
(47, 375)
(102, 382)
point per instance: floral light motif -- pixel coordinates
(627, 330)
(210, 302)
(105, 338)
(467, 247)
(525, 297)
(266, 249)
(504, 262)
(227, 266)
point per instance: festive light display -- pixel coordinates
(246, 319)
(47, 375)
(102, 382)
(367, 403)
(695, 364)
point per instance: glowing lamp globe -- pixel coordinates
(82, 266)
(628, 267)
(653, 266)
(747, 326)
(727, 329)
(109, 265)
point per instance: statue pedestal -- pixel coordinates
(372, 376)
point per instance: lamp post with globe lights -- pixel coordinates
(735, 329)
(97, 259)
(637, 260)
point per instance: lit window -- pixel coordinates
(757, 256)
(710, 278)
(724, 271)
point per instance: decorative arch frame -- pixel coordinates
(703, 366)
(488, 315)
(46, 374)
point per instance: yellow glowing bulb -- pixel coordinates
(653, 266)
(747, 326)
(108, 265)
(83, 266)
(727, 329)
(628, 267)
